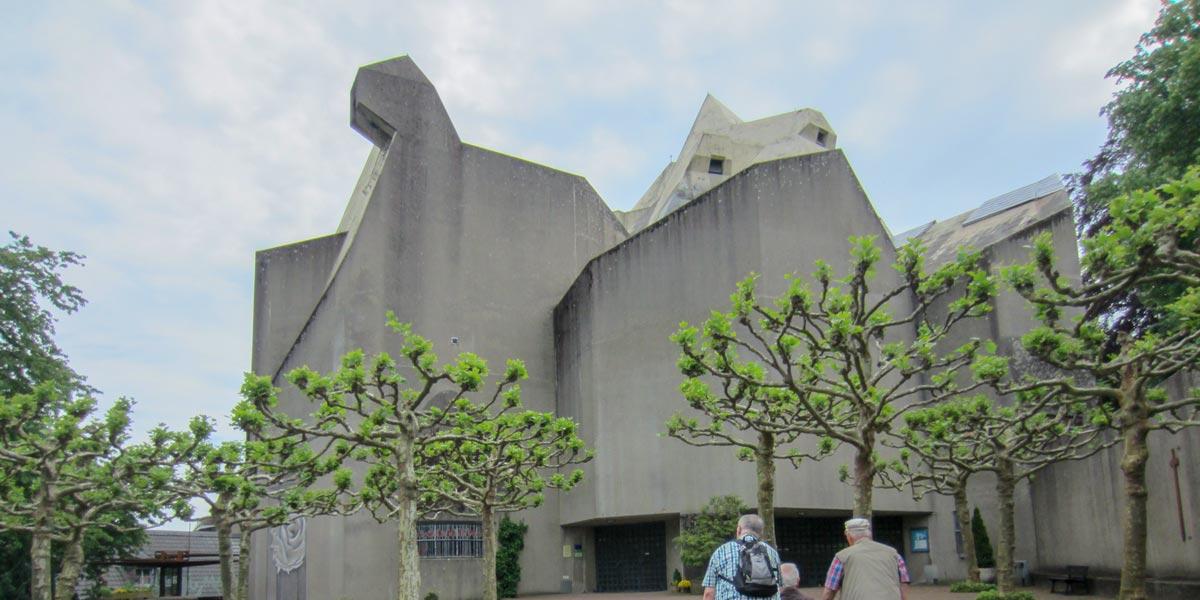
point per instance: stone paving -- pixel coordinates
(917, 592)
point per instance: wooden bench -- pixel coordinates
(1076, 578)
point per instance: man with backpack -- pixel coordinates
(744, 568)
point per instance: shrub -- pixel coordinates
(712, 527)
(511, 538)
(431, 596)
(971, 586)
(984, 554)
(994, 595)
(676, 577)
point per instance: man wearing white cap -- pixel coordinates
(866, 570)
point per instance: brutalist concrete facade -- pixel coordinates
(510, 258)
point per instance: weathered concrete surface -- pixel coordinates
(1003, 239)
(615, 359)
(1078, 508)
(720, 138)
(515, 259)
(462, 242)
(289, 280)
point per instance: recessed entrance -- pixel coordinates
(631, 558)
(811, 542)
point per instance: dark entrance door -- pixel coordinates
(170, 581)
(811, 542)
(631, 558)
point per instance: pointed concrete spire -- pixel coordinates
(394, 97)
(401, 66)
(714, 115)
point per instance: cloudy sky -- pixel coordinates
(168, 141)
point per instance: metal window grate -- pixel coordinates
(450, 539)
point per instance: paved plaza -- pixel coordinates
(919, 592)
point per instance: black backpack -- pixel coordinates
(756, 574)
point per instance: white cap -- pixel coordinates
(858, 524)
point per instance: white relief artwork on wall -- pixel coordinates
(287, 546)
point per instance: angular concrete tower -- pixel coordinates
(721, 145)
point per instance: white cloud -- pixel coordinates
(1080, 54)
(895, 88)
(170, 141)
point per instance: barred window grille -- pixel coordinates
(450, 539)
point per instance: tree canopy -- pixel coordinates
(836, 355)
(381, 420)
(1153, 137)
(31, 288)
(1148, 243)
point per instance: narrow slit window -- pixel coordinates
(716, 165)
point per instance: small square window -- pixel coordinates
(716, 165)
(822, 135)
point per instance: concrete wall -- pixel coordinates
(1079, 506)
(616, 373)
(462, 242)
(288, 282)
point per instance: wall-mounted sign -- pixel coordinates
(918, 539)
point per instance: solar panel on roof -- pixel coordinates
(900, 238)
(1015, 198)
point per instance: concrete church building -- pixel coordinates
(492, 254)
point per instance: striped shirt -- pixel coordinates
(723, 566)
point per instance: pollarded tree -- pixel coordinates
(835, 355)
(62, 475)
(1149, 242)
(486, 461)
(743, 411)
(254, 485)
(1014, 441)
(945, 477)
(385, 420)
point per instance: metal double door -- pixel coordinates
(631, 558)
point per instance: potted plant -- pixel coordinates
(984, 554)
(684, 586)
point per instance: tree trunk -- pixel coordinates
(408, 565)
(765, 463)
(1005, 486)
(39, 552)
(490, 544)
(225, 554)
(864, 481)
(1133, 466)
(243, 578)
(72, 566)
(962, 513)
